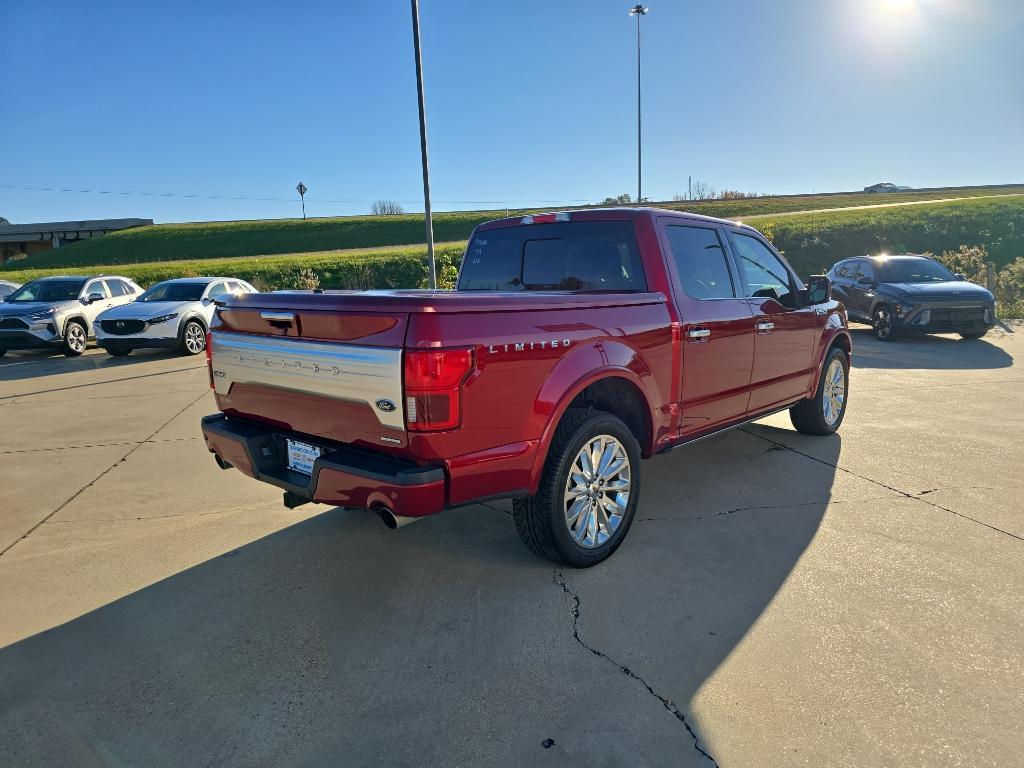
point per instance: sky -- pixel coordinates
(528, 103)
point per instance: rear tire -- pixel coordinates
(119, 351)
(604, 501)
(76, 338)
(823, 413)
(973, 334)
(193, 338)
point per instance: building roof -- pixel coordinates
(18, 232)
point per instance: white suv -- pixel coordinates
(174, 314)
(60, 311)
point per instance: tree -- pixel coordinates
(4, 222)
(624, 199)
(703, 191)
(386, 208)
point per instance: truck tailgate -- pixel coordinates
(328, 373)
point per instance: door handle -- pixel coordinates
(698, 334)
(765, 326)
(283, 318)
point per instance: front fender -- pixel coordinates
(836, 331)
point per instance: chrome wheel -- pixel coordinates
(597, 491)
(74, 337)
(833, 394)
(195, 339)
(883, 323)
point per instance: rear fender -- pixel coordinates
(583, 366)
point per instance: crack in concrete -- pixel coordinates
(100, 445)
(905, 494)
(559, 581)
(98, 477)
(725, 512)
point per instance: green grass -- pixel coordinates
(216, 240)
(399, 267)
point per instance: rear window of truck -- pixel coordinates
(562, 256)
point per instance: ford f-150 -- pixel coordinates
(574, 346)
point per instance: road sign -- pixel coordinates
(301, 189)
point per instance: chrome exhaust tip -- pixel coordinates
(393, 521)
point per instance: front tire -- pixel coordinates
(823, 413)
(882, 323)
(119, 351)
(193, 338)
(588, 491)
(973, 334)
(75, 338)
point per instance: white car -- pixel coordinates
(174, 314)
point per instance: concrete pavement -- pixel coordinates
(781, 599)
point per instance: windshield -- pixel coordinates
(913, 271)
(174, 292)
(48, 290)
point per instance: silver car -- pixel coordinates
(174, 314)
(60, 312)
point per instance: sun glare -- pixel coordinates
(899, 6)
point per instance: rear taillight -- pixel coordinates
(209, 358)
(433, 387)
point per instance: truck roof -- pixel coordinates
(598, 214)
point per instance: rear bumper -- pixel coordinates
(343, 476)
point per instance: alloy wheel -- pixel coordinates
(833, 394)
(883, 323)
(597, 491)
(75, 337)
(195, 339)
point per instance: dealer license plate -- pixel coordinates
(301, 456)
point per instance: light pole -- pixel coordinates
(638, 11)
(423, 141)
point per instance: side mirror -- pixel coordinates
(93, 297)
(819, 289)
(207, 300)
(959, 276)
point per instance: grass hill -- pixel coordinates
(216, 240)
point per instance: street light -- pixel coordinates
(423, 141)
(638, 11)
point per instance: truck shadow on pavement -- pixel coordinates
(335, 641)
(23, 365)
(926, 352)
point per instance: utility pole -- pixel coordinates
(689, 188)
(638, 11)
(423, 141)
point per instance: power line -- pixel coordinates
(265, 198)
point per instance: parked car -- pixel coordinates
(174, 314)
(575, 345)
(911, 294)
(60, 311)
(7, 288)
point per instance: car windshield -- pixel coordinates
(174, 292)
(913, 271)
(48, 290)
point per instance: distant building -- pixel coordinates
(887, 186)
(26, 239)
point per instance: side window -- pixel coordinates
(842, 270)
(217, 289)
(700, 262)
(116, 288)
(766, 276)
(96, 286)
(863, 270)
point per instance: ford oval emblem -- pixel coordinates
(385, 405)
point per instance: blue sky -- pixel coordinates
(527, 101)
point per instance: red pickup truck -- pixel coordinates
(575, 345)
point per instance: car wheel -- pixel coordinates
(588, 491)
(973, 334)
(882, 322)
(193, 338)
(119, 351)
(75, 338)
(823, 413)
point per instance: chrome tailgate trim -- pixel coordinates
(338, 371)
